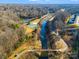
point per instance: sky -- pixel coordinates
(40, 1)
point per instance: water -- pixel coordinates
(26, 20)
(43, 57)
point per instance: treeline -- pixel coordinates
(32, 10)
(24, 10)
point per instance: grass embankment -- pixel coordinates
(22, 37)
